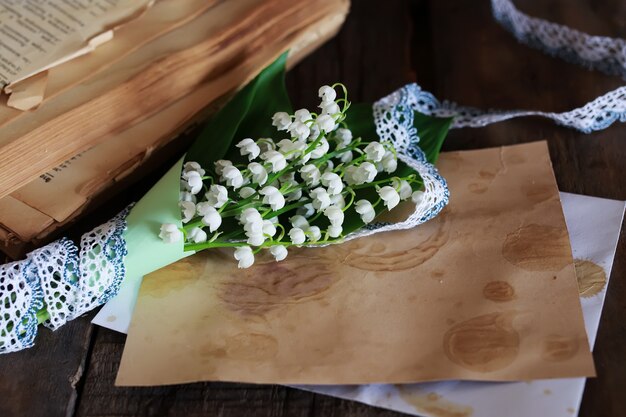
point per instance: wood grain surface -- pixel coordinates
(452, 48)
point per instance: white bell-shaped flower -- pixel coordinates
(390, 196)
(273, 197)
(217, 195)
(170, 233)
(343, 137)
(245, 256)
(194, 181)
(281, 120)
(302, 115)
(389, 162)
(334, 231)
(193, 166)
(321, 198)
(350, 175)
(255, 239)
(197, 235)
(366, 210)
(275, 158)
(266, 144)
(313, 233)
(299, 221)
(335, 215)
(402, 187)
(269, 229)
(259, 173)
(330, 109)
(297, 236)
(220, 165)
(332, 182)
(187, 196)
(346, 157)
(326, 123)
(417, 196)
(188, 209)
(279, 252)
(210, 217)
(327, 94)
(321, 149)
(299, 130)
(291, 149)
(250, 215)
(306, 210)
(365, 173)
(232, 176)
(338, 201)
(310, 174)
(249, 147)
(374, 151)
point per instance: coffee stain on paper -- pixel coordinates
(270, 285)
(485, 343)
(498, 291)
(432, 403)
(591, 278)
(538, 247)
(557, 348)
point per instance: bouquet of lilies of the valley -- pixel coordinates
(259, 176)
(297, 189)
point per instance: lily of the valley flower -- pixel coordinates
(249, 147)
(330, 109)
(281, 120)
(365, 173)
(335, 215)
(334, 231)
(326, 123)
(273, 197)
(210, 216)
(310, 174)
(299, 130)
(390, 196)
(279, 252)
(314, 233)
(170, 233)
(403, 187)
(275, 158)
(299, 221)
(259, 174)
(327, 94)
(417, 196)
(220, 165)
(269, 229)
(332, 182)
(366, 210)
(194, 181)
(321, 198)
(374, 151)
(193, 166)
(245, 192)
(217, 195)
(389, 162)
(338, 201)
(245, 256)
(232, 176)
(321, 149)
(197, 235)
(297, 236)
(188, 210)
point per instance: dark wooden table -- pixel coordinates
(454, 49)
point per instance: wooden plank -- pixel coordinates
(478, 63)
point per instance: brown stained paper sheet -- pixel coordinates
(486, 291)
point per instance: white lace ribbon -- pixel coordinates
(67, 281)
(594, 52)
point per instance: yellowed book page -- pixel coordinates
(164, 16)
(485, 291)
(37, 35)
(24, 221)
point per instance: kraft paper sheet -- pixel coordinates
(486, 291)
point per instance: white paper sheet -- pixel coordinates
(594, 225)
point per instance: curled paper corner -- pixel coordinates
(27, 94)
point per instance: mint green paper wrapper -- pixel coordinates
(146, 251)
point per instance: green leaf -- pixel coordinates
(247, 114)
